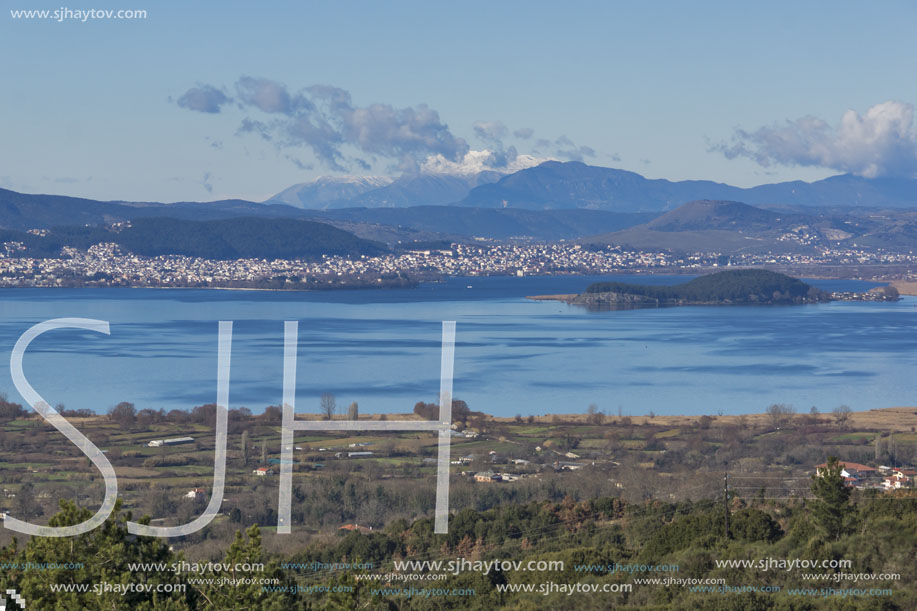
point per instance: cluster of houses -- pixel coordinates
(492, 476)
(861, 476)
(495, 476)
(360, 450)
(465, 434)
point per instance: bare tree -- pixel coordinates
(774, 414)
(789, 414)
(353, 411)
(244, 444)
(26, 503)
(813, 417)
(842, 415)
(593, 415)
(125, 414)
(328, 405)
(779, 413)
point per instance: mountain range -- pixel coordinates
(21, 212)
(562, 185)
(552, 201)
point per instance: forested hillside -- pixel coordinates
(217, 239)
(588, 554)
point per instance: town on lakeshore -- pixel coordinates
(108, 264)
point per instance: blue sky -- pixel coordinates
(735, 92)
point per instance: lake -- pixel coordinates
(381, 348)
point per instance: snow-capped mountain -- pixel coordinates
(419, 189)
(437, 181)
(329, 191)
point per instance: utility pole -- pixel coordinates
(726, 500)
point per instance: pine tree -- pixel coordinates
(100, 557)
(833, 498)
(248, 566)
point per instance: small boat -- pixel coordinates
(468, 287)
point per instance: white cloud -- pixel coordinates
(478, 161)
(324, 118)
(881, 142)
(346, 137)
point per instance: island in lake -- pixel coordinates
(733, 287)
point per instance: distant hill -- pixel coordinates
(423, 190)
(374, 192)
(23, 211)
(745, 286)
(244, 237)
(733, 227)
(554, 184)
(328, 191)
(39, 211)
(843, 190)
(495, 224)
(707, 214)
(219, 239)
(19, 211)
(574, 184)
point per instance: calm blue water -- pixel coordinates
(381, 348)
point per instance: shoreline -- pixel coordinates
(565, 297)
(213, 288)
(904, 287)
(570, 299)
